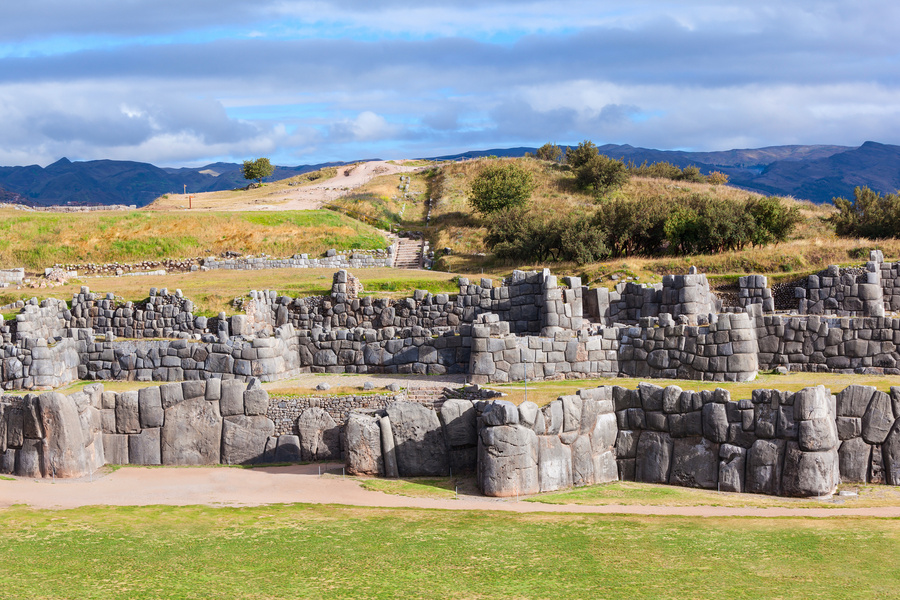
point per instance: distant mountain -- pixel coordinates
(103, 182)
(817, 173)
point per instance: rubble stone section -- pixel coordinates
(355, 259)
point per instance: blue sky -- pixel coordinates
(302, 82)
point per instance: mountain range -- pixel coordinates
(814, 172)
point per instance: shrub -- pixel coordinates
(522, 235)
(576, 157)
(499, 187)
(601, 174)
(550, 152)
(692, 173)
(869, 215)
(717, 178)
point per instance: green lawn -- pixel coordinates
(305, 551)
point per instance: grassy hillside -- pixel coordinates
(38, 240)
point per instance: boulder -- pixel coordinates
(817, 435)
(419, 440)
(115, 448)
(256, 401)
(695, 463)
(192, 434)
(853, 400)
(627, 443)
(500, 412)
(508, 457)
(854, 456)
(458, 418)
(150, 407)
(553, 417)
(145, 448)
(604, 433)
(715, 422)
(764, 463)
(388, 448)
(654, 457)
(554, 464)
(605, 467)
(64, 452)
(288, 449)
(171, 394)
(127, 413)
(571, 412)
(848, 427)
(29, 459)
(809, 473)
(878, 418)
(8, 462)
(244, 439)
(362, 444)
(528, 413)
(732, 460)
(319, 435)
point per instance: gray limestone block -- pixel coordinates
(809, 473)
(107, 421)
(362, 441)
(458, 418)
(553, 417)
(895, 400)
(636, 418)
(854, 456)
(31, 418)
(764, 463)
(388, 447)
(528, 413)
(604, 433)
(8, 462)
(625, 398)
(144, 448)
(192, 433)
(288, 449)
(786, 427)
(213, 389)
(572, 406)
(500, 412)
(419, 440)
(878, 418)
(554, 464)
(319, 435)
(627, 443)
(231, 401)
(655, 420)
(256, 401)
(244, 439)
(150, 407)
(29, 459)
(891, 455)
(508, 461)
(766, 419)
(695, 463)
(651, 396)
(64, 448)
(671, 397)
(654, 457)
(115, 448)
(582, 461)
(848, 427)
(715, 422)
(817, 435)
(626, 468)
(732, 460)
(108, 400)
(193, 389)
(170, 394)
(811, 403)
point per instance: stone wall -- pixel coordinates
(754, 289)
(355, 259)
(843, 292)
(285, 412)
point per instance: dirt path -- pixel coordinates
(219, 486)
(313, 196)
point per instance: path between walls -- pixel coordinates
(218, 486)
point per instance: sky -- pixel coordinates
(191, 82)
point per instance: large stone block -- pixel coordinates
(878, 418)
(508, 461)
(715, 422)
(145, 448)
(362, 441)
(150, 407)
(853, 400)
(891, 454)
(64, 450)
(29, 459)
(654, 457)
(500, 412)
(192, 434)
(231, 402)
(809, 473)
(244, 439)
(554, 464)
(731, 468)
(288, 449)
(695, 463)
(319, 435)
(817, 435)
(419, 440)
(127, 413)
(458, 417)
(582, 461)
(764, 464)
(115, 448)
(854, 456)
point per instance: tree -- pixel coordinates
(550, 152)
(257, 169)
(500, 186)
(601, 174)
(577, 157)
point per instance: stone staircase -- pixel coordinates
(409, 254)
(432, 397)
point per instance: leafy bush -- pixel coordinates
(522, 235)
(576, 157)
(601, 174)
(502, 186)
(869, 215)
(550, 152)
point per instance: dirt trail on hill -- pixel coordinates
(314, 195)
(223, 486)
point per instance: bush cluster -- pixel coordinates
(500, 186)
(650, 226)
(666, 170)
(868, 215)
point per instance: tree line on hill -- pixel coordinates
(619, 226)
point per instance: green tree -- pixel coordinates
(500, 186)
(601, 174)
(576, 157)
(257, 169)
(550, 152)
(692, 173)
(869, 214)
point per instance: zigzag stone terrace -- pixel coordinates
(529, 326)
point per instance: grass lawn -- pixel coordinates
(303, 551)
